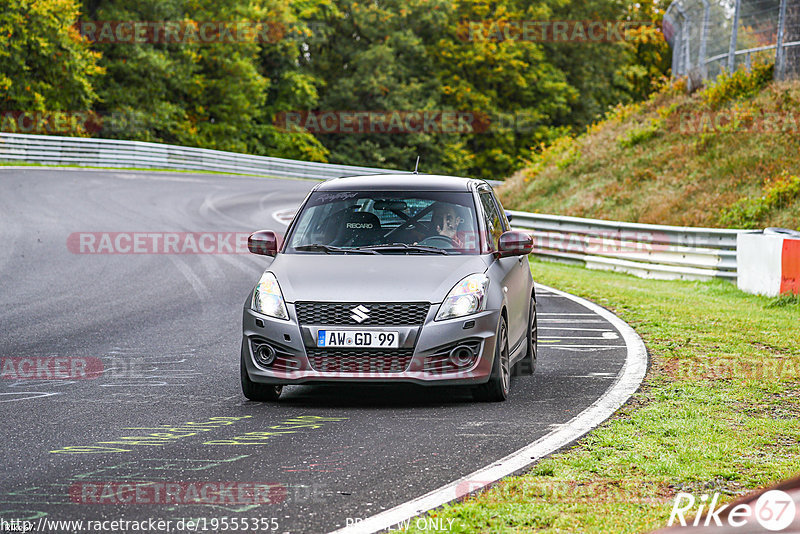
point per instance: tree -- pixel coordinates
(45, 65)
(212, 90)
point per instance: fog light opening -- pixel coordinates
(462, 356)
(264, 355)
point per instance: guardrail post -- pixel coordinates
(780, 53)
(734, 37)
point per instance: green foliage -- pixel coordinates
(739, 85)
(342, 55)
(636, 136)
(217, 95)
(187, 93)
(561, 153)
(749, 212)
(607, 74)
(45, 65)
(416, 55)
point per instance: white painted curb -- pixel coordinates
(625, 384)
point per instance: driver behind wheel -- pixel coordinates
(446, 221)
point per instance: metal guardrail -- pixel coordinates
(650, 251)
(645, 250)
(91, 152)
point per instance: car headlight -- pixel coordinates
(467, 297)
(268, 299)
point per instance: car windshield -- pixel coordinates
(386, 222)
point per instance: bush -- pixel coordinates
(640, 135)
(739, 84)
(779, 192)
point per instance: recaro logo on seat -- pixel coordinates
(360, 313)
(359, 225)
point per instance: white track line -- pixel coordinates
(625, 385)
(567, 314)
(577, 337)
(582, 321)
(573, 328)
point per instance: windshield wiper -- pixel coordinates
(327, 249)
(403, 247)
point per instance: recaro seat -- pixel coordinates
(358, 229)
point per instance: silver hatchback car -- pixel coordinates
(392, 278)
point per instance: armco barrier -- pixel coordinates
(91, 152)
(645, 250)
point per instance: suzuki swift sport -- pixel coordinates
(388, 279)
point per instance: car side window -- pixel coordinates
(494, 225)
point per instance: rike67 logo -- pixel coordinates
(774, 510)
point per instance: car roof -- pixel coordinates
(400, 182)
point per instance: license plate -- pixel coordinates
(358, 339)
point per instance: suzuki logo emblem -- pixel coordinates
(360, 313)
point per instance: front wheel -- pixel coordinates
(253, 390)
(496, 389)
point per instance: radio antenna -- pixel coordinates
(416, 167)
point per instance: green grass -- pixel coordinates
(717, 412)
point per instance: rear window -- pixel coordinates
(358, 219)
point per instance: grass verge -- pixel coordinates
(717, 412)
(724, 156)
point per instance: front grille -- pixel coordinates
(360, 360)
(379, 314)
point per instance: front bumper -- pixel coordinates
(420, 359)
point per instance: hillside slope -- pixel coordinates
(725, 156)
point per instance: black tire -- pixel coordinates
(253, 390)
(496, 389)
(527, 365)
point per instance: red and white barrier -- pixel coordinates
(768, 264)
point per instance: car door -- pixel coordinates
(511, 270)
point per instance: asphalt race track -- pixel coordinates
(152, 343)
